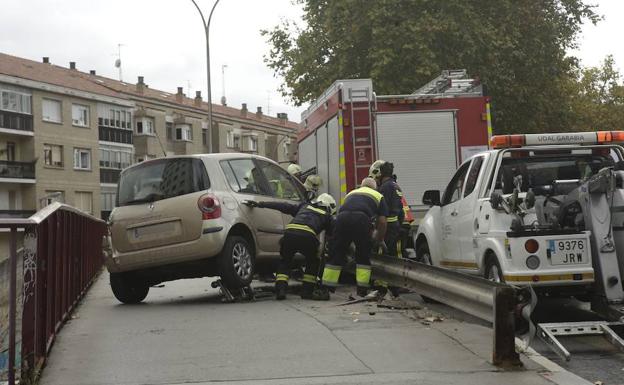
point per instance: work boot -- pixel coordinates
(362, 291)
(280, 290)
(307, 289)
(320, 293)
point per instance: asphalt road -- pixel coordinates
(184, 334)
(593, 357)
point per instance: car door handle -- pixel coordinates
(454, 213)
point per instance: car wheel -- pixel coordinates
(127, 288)
(236, 263)
(493, 271)
(423, 255)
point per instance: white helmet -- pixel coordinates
(313, 182)
(375, 169)
(326, 200)
(294, 169)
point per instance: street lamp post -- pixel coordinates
(206, 25)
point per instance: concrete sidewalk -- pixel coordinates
(183, 334)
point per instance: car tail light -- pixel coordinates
(210, 206)
(531, 246)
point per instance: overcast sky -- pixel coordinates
(164, 41)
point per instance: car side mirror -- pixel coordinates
(431, 198)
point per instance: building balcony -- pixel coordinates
(16, 213)
(147, 145)
(109, 175)
(16, 123)
(18, 172)
(116, 135)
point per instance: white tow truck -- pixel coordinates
(539, 210)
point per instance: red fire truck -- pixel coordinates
(426, 134)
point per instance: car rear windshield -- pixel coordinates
(162, 179)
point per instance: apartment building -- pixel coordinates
(66, 134)
(175, 124)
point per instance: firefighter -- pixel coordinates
(354, 224)
(313, 183)
(302, 236)
(406, 225)
(383, 172)
(294, 169)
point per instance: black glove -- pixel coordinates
(250, 203)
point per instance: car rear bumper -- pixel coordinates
(543, 278)
(209, 244)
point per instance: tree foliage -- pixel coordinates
(517, 48)
(598, 100)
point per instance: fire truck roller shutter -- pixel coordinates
(332, 183)
(423, 148)
(307, 152)
(321, 155)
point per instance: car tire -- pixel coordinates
(236, 262)
(493, 271)
(127, 288)
(423, 255)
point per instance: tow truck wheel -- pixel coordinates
(493, 270)
(424, 256)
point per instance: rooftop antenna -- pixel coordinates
(268, 102)
(188, 87)
(223, 99)
(118, 61)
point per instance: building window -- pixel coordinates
(113, 116)
(169, 127)
(233, 140)
(53, 155)
(15, 99)
(253, 143)
(82, 159)
(80, 115)
(145, 126)
(118, 158)
(107, 201)
(204, 137)
(10, 151)
(84, 201)
(286, 147)
(183, 132)
(51, 111)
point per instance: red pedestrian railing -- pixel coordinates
(61, 255)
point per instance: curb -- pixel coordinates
(553, 372)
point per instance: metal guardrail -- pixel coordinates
(62, 254)
(490, 301)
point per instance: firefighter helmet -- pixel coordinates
(374, 170)
(294, 169)
(313, 182)
(327, 201)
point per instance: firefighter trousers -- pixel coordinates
(299, 242)
(393, 239)
(350, 227)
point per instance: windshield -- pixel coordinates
(533, 169)
(162, 179)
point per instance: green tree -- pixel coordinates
(598, 101)
(517, 48)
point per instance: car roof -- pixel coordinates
(215, 157)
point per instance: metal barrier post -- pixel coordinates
(504, 353)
